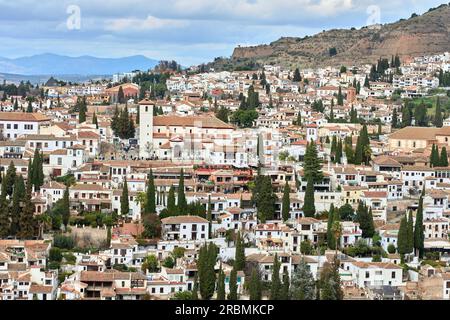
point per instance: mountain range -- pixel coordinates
(53, 64)
(419, 35)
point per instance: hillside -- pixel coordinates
(418, 35)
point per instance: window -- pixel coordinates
(367, 274)
(393, 275)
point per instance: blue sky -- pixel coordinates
(189, 31)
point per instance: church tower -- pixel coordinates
(146, 108)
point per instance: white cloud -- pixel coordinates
(150, 23)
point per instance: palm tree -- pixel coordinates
(367, 154)
(45, 222)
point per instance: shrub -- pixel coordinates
(63, 242)
(306, 247)
(391, 249)
(55, 255)
(169, 262)
(70, 258)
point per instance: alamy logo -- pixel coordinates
(74, 19)
(374, 17)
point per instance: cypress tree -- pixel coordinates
(195, 289)
(171, 207)
(150, 206)
(124, 201)
(182, 203)
(338, 156)
(265, 198)
(312, 165)
(394, 118)
(434, 159)
(233, 294)
(443, 161)
(18, 197)
(10, 179)
(108, 237)
(340, 97)
(286, 204)
(26, 221)
(275, 288)
(30, 107)
(406, 116)
(120, 95)
(410, 233)
(330, 237)
(309, 208)
(297, 77)
(285, 295)
(438, 114)
(95, 121)
(419, 230)
(239, 259)
(207, 277)
(4, 212)
(66, 207)
(221, 285)
(255, 286)
(209, 215)
(402, 242)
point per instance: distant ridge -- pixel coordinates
(419, 35)
(53, 64)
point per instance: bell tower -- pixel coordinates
(146, 108)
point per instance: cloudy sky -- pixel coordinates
(189, 31)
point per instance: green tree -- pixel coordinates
(285, 293)
(312, 165)
(120, 95)
(309, 207)
(10, 179)
(171, 206)
(18, 197)
(394, 118)
(150, 264)
(443, 160)
(419, 236)
(181, 203)
(255, 286)
(239, 259)
(297, 77)
(95, 120)
(438, 114)
(302, 284)
(410, 231)
(286, 203)
(26, 222)
(330, 282)
(221, 285)
(402, 242)
(150, 205)
(233, 292)
(275, 288)
(206, 275)
(264, 198)
(30, 107)
(66, 207)
(124, 201)
(330, 237)
(340, 97)
(209, 216)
